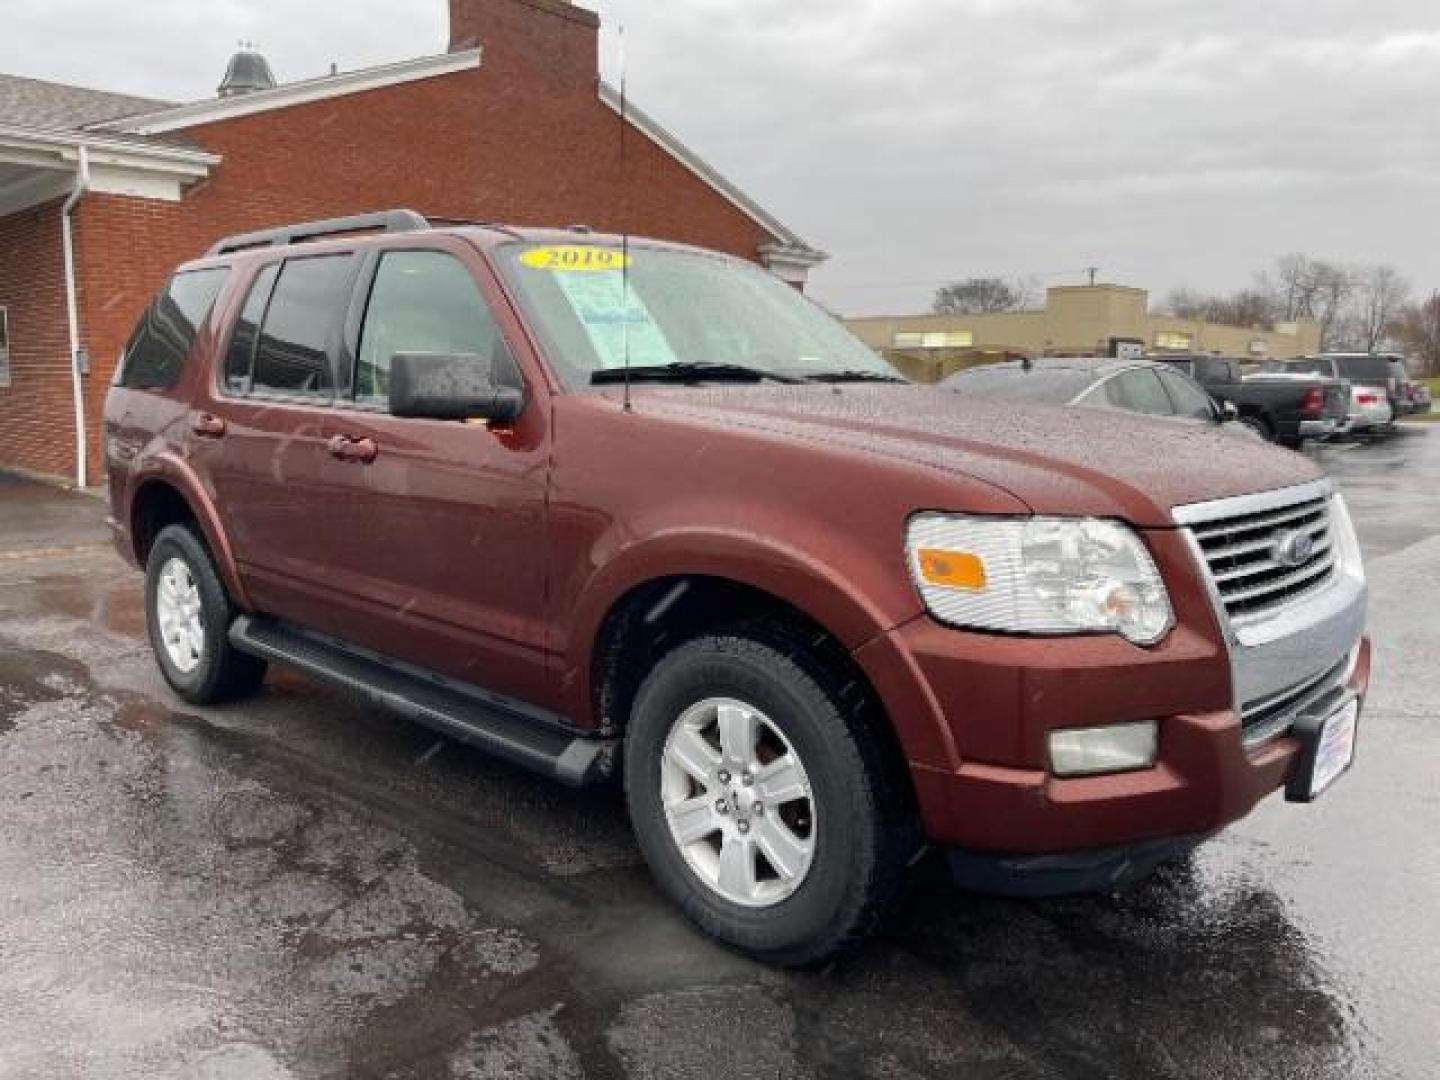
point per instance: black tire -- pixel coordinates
(866, 829)
(1259, 427)
(223, 673)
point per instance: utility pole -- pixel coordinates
(1092, 271)
(1432, 361)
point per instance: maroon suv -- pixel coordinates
(608, 508)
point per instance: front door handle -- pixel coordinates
(359, 451)
(208, 426)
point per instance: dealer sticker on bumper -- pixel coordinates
(1327, 751)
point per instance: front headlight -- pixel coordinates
(1038, 576)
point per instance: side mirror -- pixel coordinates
(451, 386)
(1228, 412)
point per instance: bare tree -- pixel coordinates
(1029, 292)
(1292, 285)
(1248, 307)
(1333, 287)
(1185, 303)
(1354, 307)
(1380, 291)
(1417, 328)
(981, 296)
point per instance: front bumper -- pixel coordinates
(974, 713)
(1366, 419)
(1035, 876)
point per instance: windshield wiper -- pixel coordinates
(854, 376)
(693, 372)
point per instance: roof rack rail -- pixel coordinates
(472, 223)
(390, 221)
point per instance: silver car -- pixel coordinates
(1369, 409)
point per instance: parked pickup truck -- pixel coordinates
(635, 511)
(1281, 410)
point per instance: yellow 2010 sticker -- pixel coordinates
(575, 259)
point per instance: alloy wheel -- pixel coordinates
(178, 609)
(738, 802)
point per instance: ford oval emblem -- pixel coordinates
(1293, 548)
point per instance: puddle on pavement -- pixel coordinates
(28, 678)
(116, 605)
(1210, 972)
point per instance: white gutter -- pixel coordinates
(77, 381)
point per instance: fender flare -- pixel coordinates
(816, 589)
(171, 471)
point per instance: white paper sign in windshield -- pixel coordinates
(616, 323)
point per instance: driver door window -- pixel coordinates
(1190, 400)
(424, 302)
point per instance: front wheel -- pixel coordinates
(762, 799)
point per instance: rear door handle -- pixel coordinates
(359, 451)
(208, 426)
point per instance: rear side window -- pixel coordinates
(300, 334)
(1373, 368)
(1138, 391)
(162, 341)
(240, 360)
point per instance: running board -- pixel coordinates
(506, 729)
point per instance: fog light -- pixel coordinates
(1091, 751)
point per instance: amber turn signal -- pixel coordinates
(952, 569)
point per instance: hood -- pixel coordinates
(1056, 460)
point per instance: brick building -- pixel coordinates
(102, 195)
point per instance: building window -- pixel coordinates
(1175, 340)
(936, 339)
(4, 347)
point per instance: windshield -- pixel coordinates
(1055, 386)
(682, 308)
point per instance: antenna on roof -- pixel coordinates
(624, 224)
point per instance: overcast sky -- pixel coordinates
(1169, 142)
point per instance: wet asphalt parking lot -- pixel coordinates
(301, 887)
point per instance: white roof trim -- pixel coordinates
(297, 93)
(49, 160)
(62, 149)
(663, 138)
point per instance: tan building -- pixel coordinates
(1077, 320)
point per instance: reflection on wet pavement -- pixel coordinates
(298, 887)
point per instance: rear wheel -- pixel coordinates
(1258, 426)
(188, 613)
(761, 798)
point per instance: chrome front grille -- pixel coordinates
(1271, 716)
(1262, 560)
